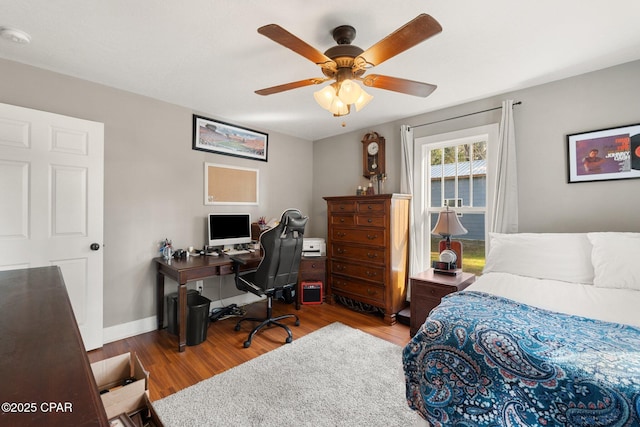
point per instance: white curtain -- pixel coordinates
(406, 187)
(505, 204)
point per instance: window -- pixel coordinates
(455, 172)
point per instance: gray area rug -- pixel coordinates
(335, 376)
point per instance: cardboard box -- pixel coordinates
(110, 374)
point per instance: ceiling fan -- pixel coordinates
(345, 63)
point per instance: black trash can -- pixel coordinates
(172, 310)
(197, 317)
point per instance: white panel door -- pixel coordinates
(51, 204)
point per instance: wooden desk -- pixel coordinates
(43, 357)
(195, 268)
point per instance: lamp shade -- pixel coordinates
(448, 224)
(324, 97)
(362, 100)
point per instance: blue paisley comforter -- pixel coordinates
(483, 360)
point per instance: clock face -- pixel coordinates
(372, 148)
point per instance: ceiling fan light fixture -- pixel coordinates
(362, 100)
(349, 91)
(324, 97)
(338, 108)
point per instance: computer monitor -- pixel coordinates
(228, 229)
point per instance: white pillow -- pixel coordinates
(616, 260)
(557, 256)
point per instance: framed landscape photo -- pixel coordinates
(605, 154)
(224, 138)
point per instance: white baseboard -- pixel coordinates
(142, 326)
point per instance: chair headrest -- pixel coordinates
(294, 222)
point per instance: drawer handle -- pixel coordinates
(369, 207)
(370, 292)
(313, 266)
(341, 219)
(341, 251)
(371, 273)
(372, 237)
(341, 208)
(340, 267)
(341, 234)
(370, 220)
(371, 256)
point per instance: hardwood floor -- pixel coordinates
(171, 371)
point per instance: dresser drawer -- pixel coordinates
(365, 292)
(374, 273)
(342, 219)
(357, 253)
(366, 236)
(370, 206)
(369, 220)
(343, 206)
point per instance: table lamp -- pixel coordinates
(449, 225)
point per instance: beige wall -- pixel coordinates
(547, 203)
(154, 185)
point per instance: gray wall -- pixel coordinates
(153, 180)
(547, 203)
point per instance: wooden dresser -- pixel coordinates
(45, 371)
(367, 250)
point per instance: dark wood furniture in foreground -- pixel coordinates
(367, 247)
(187, 270)
(427, 290)
(45, 371)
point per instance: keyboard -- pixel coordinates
(237, 252)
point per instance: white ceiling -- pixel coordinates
(206, 54)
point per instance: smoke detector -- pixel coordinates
(15, 35)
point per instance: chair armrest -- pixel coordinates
(238, 260)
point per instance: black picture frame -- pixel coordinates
(604, 154)
(230, 140)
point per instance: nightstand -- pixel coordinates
(428, 288)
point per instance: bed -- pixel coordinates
(548, 335)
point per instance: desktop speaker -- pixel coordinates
(311, 292)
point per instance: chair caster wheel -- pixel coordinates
(288, 340)
(237, 328)
(247, 344)
(297, 323)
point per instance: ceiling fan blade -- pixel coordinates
(288, 40)
(413, 32)
(396, 84)
(289, 86)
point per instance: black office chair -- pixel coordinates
(277, 273)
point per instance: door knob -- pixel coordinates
(94, 246)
